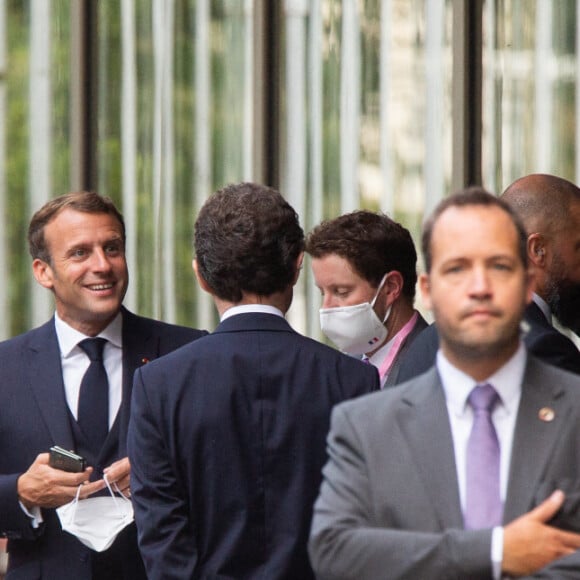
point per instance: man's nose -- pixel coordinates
(329, 301)
(100, 260)
(479, 283)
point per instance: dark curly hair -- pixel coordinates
(247, 238)
(372, 243)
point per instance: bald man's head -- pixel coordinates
(549, 208)
(542, 201)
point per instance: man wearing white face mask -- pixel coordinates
(365, 266)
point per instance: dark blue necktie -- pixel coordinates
(93, 409)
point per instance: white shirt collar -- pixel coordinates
(246, 308)
(543, 306)
(507, 381)
(68, 337)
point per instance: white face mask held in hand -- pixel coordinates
(355, 329)
(96, 521)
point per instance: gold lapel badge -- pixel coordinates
(546, 414)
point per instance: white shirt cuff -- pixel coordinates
(35, 514)
(496, 552)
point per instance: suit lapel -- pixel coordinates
(534, 439)
(45, 380)
(534, 314)
(139, 347)
(425, 424)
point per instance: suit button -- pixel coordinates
(84, 558)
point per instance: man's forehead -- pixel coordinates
(459, 225)
(454, 217)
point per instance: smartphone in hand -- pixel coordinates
(66, 460)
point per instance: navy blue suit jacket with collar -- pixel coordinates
(227, 441)
(541, 339)
(34, 416)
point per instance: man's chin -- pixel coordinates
(104, 310)
(488, 344)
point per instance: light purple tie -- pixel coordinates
(483, 505)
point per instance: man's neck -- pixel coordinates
(479, 366)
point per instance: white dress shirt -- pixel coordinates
(507, 381)
(246, 308)
(75, 362)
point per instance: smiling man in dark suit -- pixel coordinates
(471, 469)
(227, 435)
(77, 242)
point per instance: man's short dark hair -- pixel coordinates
(81, 201)
(472, 196)
(247, 239)
(372, 243)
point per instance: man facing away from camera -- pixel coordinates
(227, 436)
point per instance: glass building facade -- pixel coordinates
(341, 104)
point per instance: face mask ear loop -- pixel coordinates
(113, 494)
(76, 502)
(379, 289)
(385, 318)
(121, 494)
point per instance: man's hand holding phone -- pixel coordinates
(49, 487)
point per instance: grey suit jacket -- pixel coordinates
(389, 504)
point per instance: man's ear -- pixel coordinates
(299, 262)
(200, 279)
(393, 286)
(537, 250)
(43, 273)
(425, 289)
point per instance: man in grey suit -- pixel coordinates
(422, 482)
